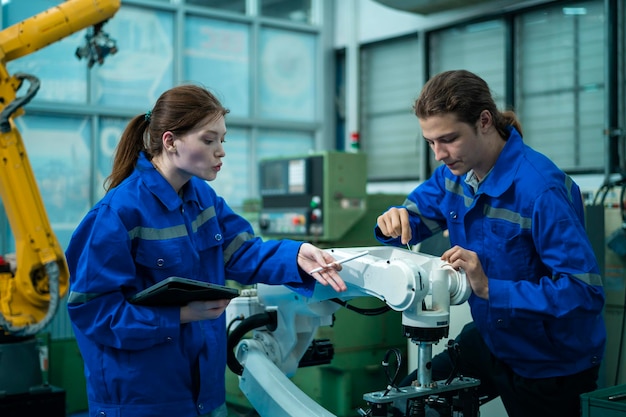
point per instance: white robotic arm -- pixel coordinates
(420, 286)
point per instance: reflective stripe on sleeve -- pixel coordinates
(430, 224)
(236, 244)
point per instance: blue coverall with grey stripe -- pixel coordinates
(140, 361)
(526, 224)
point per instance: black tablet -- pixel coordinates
(177, 291)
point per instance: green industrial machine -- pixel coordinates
(321, 198)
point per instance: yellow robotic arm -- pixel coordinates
(31, 289)
(52, 25)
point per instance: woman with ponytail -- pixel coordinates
(160, 218)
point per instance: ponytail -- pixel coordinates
(509, 118)
(127, 151)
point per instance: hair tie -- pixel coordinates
(148, 115)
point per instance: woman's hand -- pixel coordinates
(311, 257)
(202, 310)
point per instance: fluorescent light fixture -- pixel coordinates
(574, 11)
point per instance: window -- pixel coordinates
(276, 143)
(478, 47)
(237, 6)
(62, 171)
(295, 10)
(217, 54)
(143, 67)
(287, 71)
(560, 80)
(389, 128)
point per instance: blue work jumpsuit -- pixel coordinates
(543, 318)
(141, 361)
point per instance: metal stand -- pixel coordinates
(456, 396)
(459, 396)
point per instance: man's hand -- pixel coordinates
(202, 310)
(467, 260)
(311, 257)
(395, 223)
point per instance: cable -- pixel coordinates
(233, 321)
(454, 351)
(269, 319)
(363, 311)
(603, 191)
(391, 381)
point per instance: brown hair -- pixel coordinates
(466, 95)
(177, 110)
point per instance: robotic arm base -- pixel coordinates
(427, 334)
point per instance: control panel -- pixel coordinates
(314, 197)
